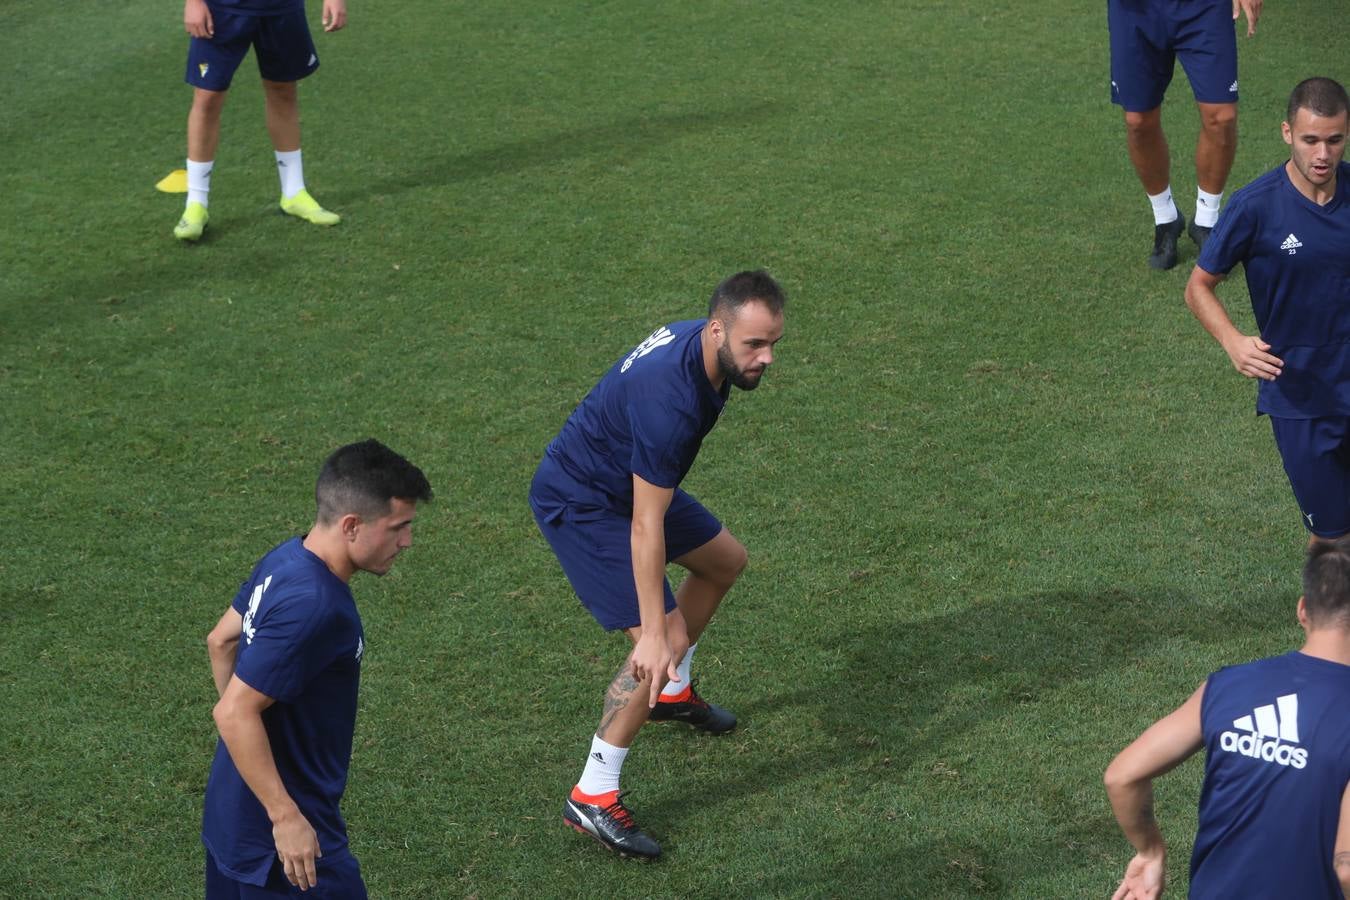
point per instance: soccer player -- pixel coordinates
(222, 31)
(1147, 37)
(607, 498)
(1274, 815)
(286, 657)
(1290, 229)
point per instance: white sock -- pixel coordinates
(199, 182)
(1207, 207)
(1164, 210)
(674, 688)
(601, 774)
(291, 171)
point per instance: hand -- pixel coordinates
(1250, 356)
(335, 14)
(197, 19)
(1144, 879)
(653, 658)
(297, 847)
(1253, 10)
(677, 633)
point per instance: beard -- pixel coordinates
(726, 365)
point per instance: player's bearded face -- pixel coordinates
(747, 344)
(726, 364)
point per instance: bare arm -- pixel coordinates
(1341, 858)
(221, 645)
(1250, 355)
(238, 717)
(653, 656)
(1129, 783)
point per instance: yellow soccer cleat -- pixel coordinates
(193, 223)
(303, 206)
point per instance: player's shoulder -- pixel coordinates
(299, 581)
(1257, 191)
(1252, 669)
(660, 351)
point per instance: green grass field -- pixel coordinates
(1005, 502)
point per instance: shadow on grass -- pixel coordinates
(913, 692)
(621, 140)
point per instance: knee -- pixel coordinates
(280, 91)
(1220, 120)
(736, 560)
(208, 102)
(1143, 124)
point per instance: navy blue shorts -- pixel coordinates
(1147, 38)
(596, 552)
(339, 879)
(1316, 456)
(282, 44)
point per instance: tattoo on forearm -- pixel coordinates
(1342, 859)
(617, 697)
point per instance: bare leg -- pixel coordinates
(625, 707)
(1217, 145)
(283, 114)
(1148, 149)
(203, 133)
(713, 569)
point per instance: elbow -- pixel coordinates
(1116, 778)
(219, 645)
(218, 714)
(221, 715)
(1343, 873)
(1190, 294)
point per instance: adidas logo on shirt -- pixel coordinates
(1232, 88)
(1291, 244)
(1264, 723)
(658, 338)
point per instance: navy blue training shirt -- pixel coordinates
(647, 417)
(1296, 256)
(301, 644)
(1277, 742)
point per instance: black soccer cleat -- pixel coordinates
(1199, 234)
(611, 825)
(1164, 255)
(696, 712)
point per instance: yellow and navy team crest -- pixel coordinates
(203, 67)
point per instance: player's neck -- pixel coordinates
(1321, 194)
(710, 368)
(1329, 643)
(329, 545)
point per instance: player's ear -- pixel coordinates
(349, 525)
(1302, 613)
(1287, 133)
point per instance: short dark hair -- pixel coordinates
(1326, 583)
(741, 288)
(363, 478)
(1321, 96)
